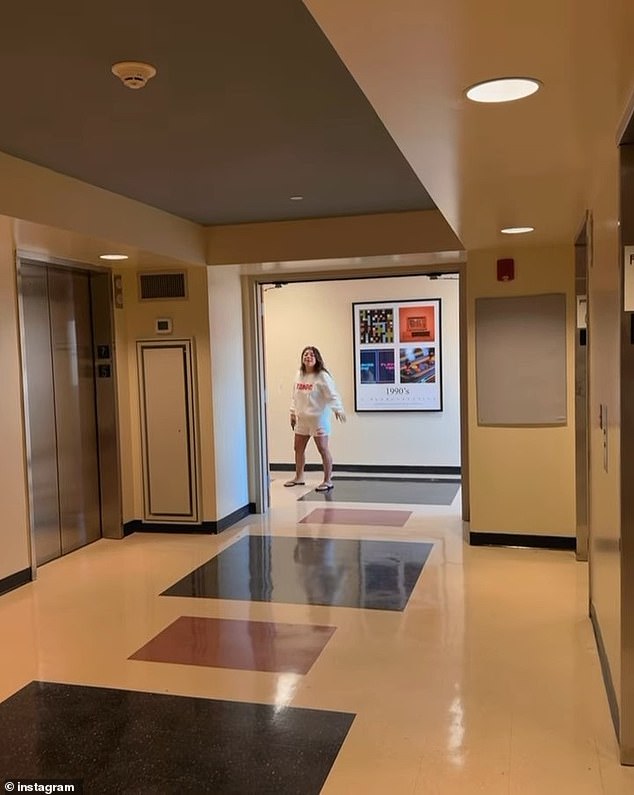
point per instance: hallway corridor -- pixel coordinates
(336, 647)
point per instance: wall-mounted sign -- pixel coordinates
(582, 311)
(628, 278)
(397, 356)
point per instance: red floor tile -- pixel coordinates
(356, 516)
(229, 643)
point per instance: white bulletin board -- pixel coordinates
(521, 360)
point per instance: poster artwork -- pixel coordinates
(397, 356)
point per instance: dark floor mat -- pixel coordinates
(120, 741)
(389, 490)
(316, 571)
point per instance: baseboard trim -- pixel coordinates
(141, 526)
(605, 670)
(422, 470)
(477, 539)
(205, 528)
(15, 580)
(232, 518)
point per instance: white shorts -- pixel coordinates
(312, 426)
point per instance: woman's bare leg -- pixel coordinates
(326, 458)
(300, 455)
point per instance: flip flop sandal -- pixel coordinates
(294, 483)
(325, 487)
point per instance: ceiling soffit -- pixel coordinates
(525, 163)
(251, 105)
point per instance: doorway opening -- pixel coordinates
(317, 309)
(583, 247)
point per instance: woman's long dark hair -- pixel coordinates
(319, 362)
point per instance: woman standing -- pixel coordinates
(314, 396)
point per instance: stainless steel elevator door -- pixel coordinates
(76, 422)
(40, 413)
(60, 404)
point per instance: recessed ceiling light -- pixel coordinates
(113, 256)
(505, 89)
(297, 198)
(517, 230)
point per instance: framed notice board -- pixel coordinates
(521, 360)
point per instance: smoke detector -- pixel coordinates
(133, 74)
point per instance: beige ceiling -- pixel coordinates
(530, 162)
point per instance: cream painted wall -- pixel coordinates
(136, 322)
(37, 194)
(320, 238)
(604, 373)
(320, 313)
(14, 527)
(522, 479)
(228, 393)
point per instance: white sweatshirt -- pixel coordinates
(314, 394)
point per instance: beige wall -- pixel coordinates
(604, 374)
(322, 238)
(228, 393)
(605, 313)
(136, 322)
(43, 196)
(14, 527)
(522, 479)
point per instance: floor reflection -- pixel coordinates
(230, 643)
(334, 572)
(357, 516)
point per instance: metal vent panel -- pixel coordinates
(162, 286)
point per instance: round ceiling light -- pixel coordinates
(517, 230)
(113, 257)
(504, 89)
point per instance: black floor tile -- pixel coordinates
(388, 490)
(318, 571)
(121, 741)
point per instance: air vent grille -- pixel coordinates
(162, 286)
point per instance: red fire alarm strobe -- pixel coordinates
(506, 270)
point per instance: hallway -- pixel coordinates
(390, 657)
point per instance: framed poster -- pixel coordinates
(397, 355)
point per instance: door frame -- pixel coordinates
(583, 259)
(253, 308)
